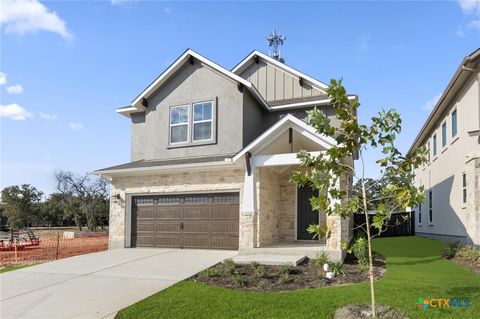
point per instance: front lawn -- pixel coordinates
(414, 269)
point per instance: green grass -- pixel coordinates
(414, 269)
(6, 269)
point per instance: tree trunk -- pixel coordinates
(370, 259)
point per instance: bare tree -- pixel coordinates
(86, 190)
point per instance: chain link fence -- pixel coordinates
(51, 248)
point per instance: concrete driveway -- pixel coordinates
(100, 284)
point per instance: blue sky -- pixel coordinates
(67, 65)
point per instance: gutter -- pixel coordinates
(450, 85)
(151, 169)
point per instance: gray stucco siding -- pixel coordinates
(191, 84)
(253, 119)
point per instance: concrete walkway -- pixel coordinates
(98, 285)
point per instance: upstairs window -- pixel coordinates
(178, 124)
(444, 134)
(202, 121)
(434, 146)
(464, 188)
(454, 123)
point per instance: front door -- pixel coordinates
(305, 215)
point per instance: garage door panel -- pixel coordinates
(168, 240)
(196, 212)
(165, 212)
(167, 227)
(188, 221)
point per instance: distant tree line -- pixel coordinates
(80, 200)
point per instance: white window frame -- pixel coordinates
(212, 112)
(434, 145)
(170, 125)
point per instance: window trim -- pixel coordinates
(170, 125)
(190, 142)
(211, 120)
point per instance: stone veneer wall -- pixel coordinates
(182, 182)
(287, 202)
(268, 195)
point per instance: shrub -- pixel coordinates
(287, 268)
(260, 271)
(363, 267)
(359, 249)
(210, 272)
(285, 278)
(338, 268)
(321, 274)
(469, 252)
(240, 280)
(321, 259)
(228, 267)
(448, 253)
(254, 264)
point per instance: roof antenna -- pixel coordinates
(274, 40)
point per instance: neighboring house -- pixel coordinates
(212, 152)
(451, 211)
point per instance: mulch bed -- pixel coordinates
(467, 263)
(358, 311)
(303, 276)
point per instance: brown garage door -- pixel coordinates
(186, 221)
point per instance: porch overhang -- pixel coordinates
(277, 147)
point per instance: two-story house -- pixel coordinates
(451, 211)
(212, 151)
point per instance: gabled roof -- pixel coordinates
(470, 63)
(246, 62)
(175, 66)
(280, 127)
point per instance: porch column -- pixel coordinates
(248, 211)
(334, 226)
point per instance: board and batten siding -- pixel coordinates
(276, 85)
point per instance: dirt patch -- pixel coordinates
(273, 278)
(358, 311)
(467, 263)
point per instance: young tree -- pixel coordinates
(324, 171)
(18, 203)
(87, 191)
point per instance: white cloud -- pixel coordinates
(363, 42)
(47, 116)
(75, 125)
(470, 6)
(30, 16)
(3, 78)
(14, 111)
(430, 104)
(15, 89)
(120, 2)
